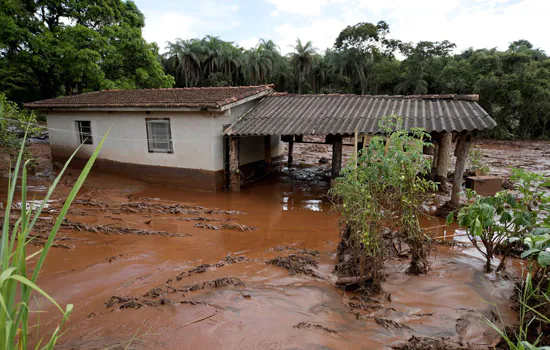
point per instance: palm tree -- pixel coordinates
(190, 62)
(320, 71)
(230, 61)
(302, 59)
(256, 65)
(212, 50)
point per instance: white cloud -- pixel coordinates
(298, 7)
(249, 43)
(468, 23)
(322, 32)
(475, 23)
(161, 27)
(217, 9)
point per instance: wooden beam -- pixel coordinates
(443, 159)
(234, 171)
(461, 153)
(290, 148)
(267, 152)
(336, 157)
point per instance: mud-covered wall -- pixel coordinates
(196, 138)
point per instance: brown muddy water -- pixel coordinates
(256, 305)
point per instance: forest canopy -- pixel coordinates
(54, 48)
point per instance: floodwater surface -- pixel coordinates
(225, 240)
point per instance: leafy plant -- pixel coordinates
(17, 284)
(12, 121)
(384, 190)
(525, 337)
(476, 161)
(504, 220)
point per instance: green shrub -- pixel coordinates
(385, 189)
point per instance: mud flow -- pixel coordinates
(164, 268)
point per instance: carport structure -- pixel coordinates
(445, 117)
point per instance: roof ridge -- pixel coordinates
(468, 97)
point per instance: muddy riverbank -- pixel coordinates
(209, 284)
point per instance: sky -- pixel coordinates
(467, 23)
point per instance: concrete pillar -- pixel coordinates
(443, 159)
(336, 156)
(461, 153)
(235, 173)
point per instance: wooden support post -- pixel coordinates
(443, 159)
(234, 172)
(267, 152)
(336, 156)
(290, 158)
(461, 153)
(435, 156)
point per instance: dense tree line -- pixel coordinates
(52, 48)
(514, 85)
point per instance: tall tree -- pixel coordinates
(420, 58)
(65, 47)
(302, 59)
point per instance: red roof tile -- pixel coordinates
(200, 97)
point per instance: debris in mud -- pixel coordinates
(352, 283)
(110, 230)
(309, 325)
(296, 264)
(130, 302)
(428, 343)
(91, 202)
(299, 251)
(224, 212)
(205, 267)
(200, 218)
(78, 213)
(228, 226)
(449, 243)
(215, 283)
(391, 325)
(138, 303)
(364, 302)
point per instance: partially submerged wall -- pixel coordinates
(197, 160)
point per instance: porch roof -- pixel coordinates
(286, 114)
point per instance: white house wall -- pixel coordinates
(196, 137)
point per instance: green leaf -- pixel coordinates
(544, 259)
(450, 218)
(528, 252)
(546, 184)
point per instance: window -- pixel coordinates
(159, 138)
(84, 129)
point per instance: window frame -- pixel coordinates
(84, 138)
(170, 143)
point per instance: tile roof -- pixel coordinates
(285, 114)
(200, 98)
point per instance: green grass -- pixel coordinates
(17, 284)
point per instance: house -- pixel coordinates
(208, 137)
(166, 136)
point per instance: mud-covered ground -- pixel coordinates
(165, 268)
